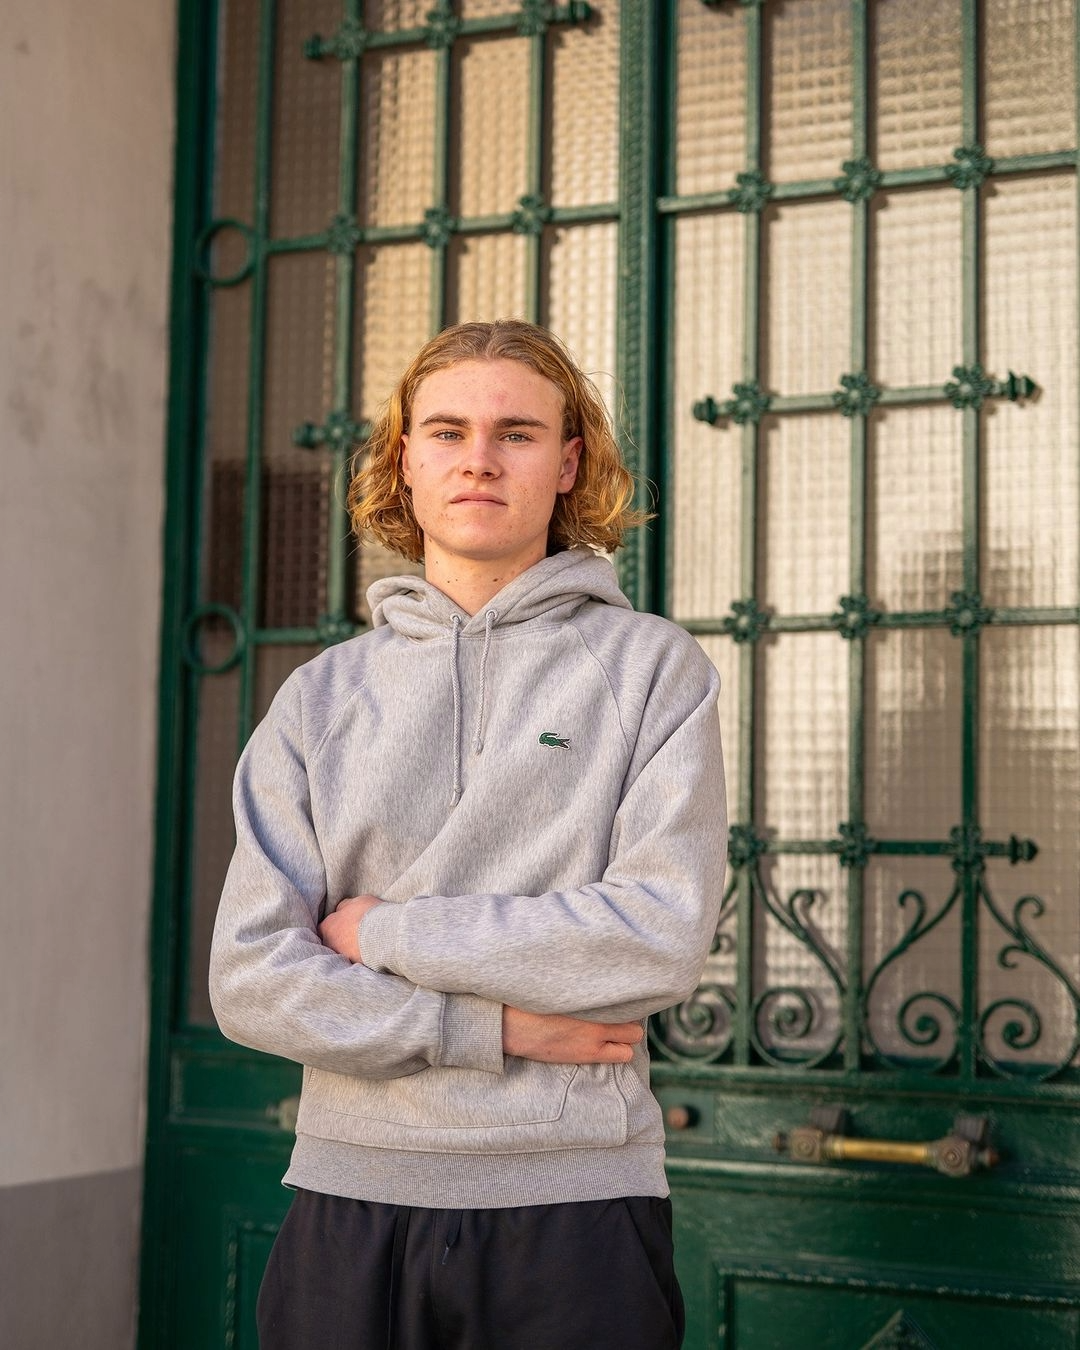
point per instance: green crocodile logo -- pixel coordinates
(556, 742)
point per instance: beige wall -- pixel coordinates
(86, 121)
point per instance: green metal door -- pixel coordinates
(822, 255)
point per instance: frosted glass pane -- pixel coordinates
(918, 45)
(392, 318)
(227, 373)
(234, 158)
(802, 737)
(917, 281)
(807, 301)
(1030, 771)
(306, 122)
(808, 106)
(706, 470)
(212, 844)
(397, 144)
(491, 133)
(482, 9)
(915, 539)
(1030, 100)
(486, 278)
(804, 503)
(584, 138)
(581, 264)
(1030, 787)
(393, 14)
(710, 109)
(724, 654)
(913, 705)
(1032, 470)
(927, 974)
(797, 1006)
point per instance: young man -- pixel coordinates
(476, 848)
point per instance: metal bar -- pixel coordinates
(444, 95)
(1010, 165)
(257, 361)
(856, 806)
(971, 344)
(534, 172)
(748, 558)
(344, 299)
(640, 58)
(931, 618)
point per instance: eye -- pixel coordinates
(517, 437)
(446, 434)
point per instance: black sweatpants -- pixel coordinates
(351, 1275)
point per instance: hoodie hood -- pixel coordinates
(554, 589)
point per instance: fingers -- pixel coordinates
(628, 1032)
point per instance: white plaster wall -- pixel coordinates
(86, 126)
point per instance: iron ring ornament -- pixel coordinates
(203, 246)
(189, 646)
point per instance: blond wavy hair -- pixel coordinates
(597, 510)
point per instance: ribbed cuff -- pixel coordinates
(471, 1033)
(378, 934)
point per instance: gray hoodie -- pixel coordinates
(538, 792)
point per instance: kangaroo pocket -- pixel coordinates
(528, 1108)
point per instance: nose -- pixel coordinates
(482, 460)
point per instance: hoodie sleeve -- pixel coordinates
(274, 986)
(627, 945)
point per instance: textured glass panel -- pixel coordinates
(491, 132)
(914, 700)
(1030, 98)
(710, 111)
(915, 539)
(234, 158)
(916, 286)
(1030, 787)
(1032, 490)
(919, 86)
(296, 482)
(393, 14)
(807, 296)
(584, 137)
(808, 108)
(1029, 780)
(805, 494)
(797, 1006)
(724, 654)
(226, 444)
(486, 278)
(273, 666)
(212, 844)
(397, 145)
(803, 735)
(705, 506)
(581, 271)
(391, 318)
(909, 1002)
(307, 122)
(484, 9)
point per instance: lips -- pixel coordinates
(482, 498)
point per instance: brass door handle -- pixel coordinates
(826, 1139)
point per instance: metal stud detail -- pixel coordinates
(753, 191)
(857, 394)
(532, 215)
(347, 44)
(339, 431)
(746, 622)
(855, 617)
(343, 235)
(745, 845)
(972, 166)
(967, 613)
(860, 180)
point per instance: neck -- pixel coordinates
(471, 583)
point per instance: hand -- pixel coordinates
(554, 1039)
(340, 931)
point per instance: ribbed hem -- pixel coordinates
(471, 1033)
(475, 1181)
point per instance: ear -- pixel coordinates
(571, 458)
(406, 471)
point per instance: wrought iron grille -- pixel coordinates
(850, 517)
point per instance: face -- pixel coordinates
(485, 459)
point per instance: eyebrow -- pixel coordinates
(456, 420)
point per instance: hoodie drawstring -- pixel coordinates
(489, 622)
(455, 681)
